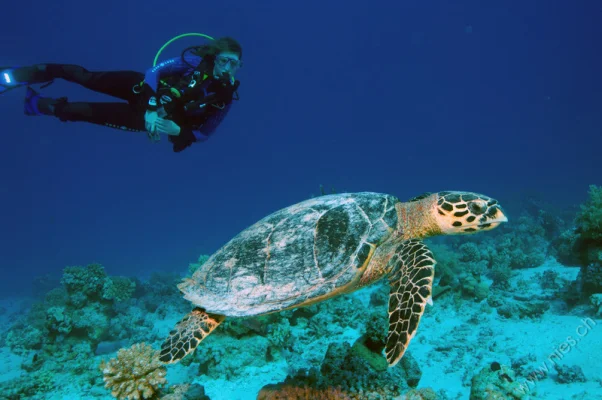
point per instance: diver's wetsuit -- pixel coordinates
(129, 116)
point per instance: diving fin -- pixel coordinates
(15, 77)
(8, 81)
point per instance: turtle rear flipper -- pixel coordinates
(187, 334)
(411, 282)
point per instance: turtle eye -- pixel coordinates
(477, 207)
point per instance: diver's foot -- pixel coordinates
(32, 98)
(35, 104)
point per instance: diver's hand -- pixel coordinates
(150, 120)
(150, 123)
(167, 127)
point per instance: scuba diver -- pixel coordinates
(185, 98)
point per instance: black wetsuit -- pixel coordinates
(195, 126)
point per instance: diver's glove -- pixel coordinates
(167, 127)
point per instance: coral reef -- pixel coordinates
(29, 386)
(356, 372)
(224, 358)
(118, 288)
(567, 246)
(496, 382)
(423, 394)
(330, 350)
(523, 366)
(596, 302)
(549, 280)
(514, 308)
(474, 288)
(185, 392)
(589, 218)
(279, 334)
(61, 333)
(590, 278)
(566, 374)
(464, 266)
(135, 374)
(81, 309)
(88, 280)
(582, 245)
(291, 392)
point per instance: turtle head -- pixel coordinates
(466, 212)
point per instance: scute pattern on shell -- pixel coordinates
(298, 253)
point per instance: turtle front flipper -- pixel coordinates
(411, 281)
(187, 334)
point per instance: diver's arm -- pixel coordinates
(189, 134)
(184, 139)
(202, 133)
(212, 122)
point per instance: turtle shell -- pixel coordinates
(306, 251)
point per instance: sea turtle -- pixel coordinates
(324, 247)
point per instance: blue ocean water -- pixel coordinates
(399, 97)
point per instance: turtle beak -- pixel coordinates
(492, 219)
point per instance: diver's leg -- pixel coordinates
(113, 115)
(125, 116)
(114, 83)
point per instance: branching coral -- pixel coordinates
(589, 218)
(135, 374)
(118, 288)
(93, 320)
(88, 280)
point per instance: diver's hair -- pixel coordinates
(214, 47)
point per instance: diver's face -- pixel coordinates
(226, 64)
